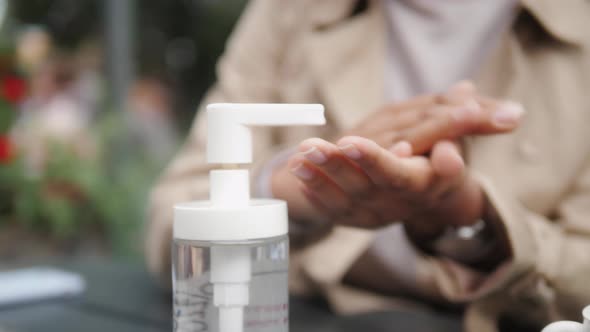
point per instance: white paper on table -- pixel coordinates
(38, 283)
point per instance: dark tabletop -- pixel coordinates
(121, 297)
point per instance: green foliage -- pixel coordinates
(6, 116)
(73, 194)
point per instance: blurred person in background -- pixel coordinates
(472, 195)
(151, 122)
(33, 47)
(53, 113)
(62, 101)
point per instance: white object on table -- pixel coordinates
(38, 283)
(569, 326)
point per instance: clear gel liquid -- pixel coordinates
(268, 308)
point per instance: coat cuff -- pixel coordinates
(511, 223)
(327, 262)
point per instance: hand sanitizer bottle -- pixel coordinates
(230, 254)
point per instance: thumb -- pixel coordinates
(446, 159)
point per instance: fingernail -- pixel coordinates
(302, 172)
(508, 114)
(350, 151)
(315, 156)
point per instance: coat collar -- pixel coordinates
(347, 55)
(564, 20)
(347, 49)
(506, 70)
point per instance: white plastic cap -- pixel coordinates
(202, 221)
(230, 214)
(229, 137)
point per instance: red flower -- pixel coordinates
(5, 149)
(13, 89)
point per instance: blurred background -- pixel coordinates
(95, 98)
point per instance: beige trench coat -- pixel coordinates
(537, 178)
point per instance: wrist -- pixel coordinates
(480, 245)
(423, 233)
(463, 207)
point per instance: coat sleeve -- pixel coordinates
(544, 279)
(247, 72)
(548, 270)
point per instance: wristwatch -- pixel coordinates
(466, 244)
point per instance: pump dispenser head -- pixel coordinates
(229, 137)
(229, 142)
(230, 214)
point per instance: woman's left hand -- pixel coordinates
(358, 183)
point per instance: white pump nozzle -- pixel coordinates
(229, 138)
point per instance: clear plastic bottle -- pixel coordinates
(224, 281)
(268, 308)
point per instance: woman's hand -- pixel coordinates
(358, 183)
(425, 120)
(382, 177)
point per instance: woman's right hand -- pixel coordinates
(425, 120)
